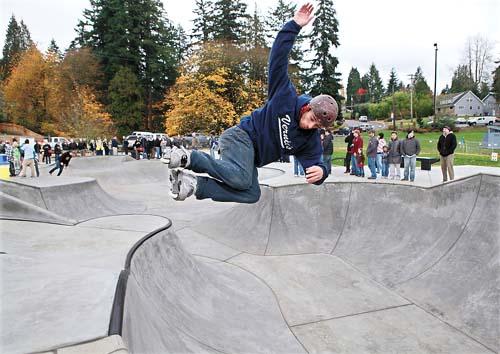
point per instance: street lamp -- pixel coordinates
(435, 78)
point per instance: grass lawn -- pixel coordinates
(472, 155)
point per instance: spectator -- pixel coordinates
(394, 157)
(371, 152)
(38, 149)
(380, 151)
(410, 148)
(47, 152)
(385, 162)
(105, 146)
(213, 143)
(195, 144)
(446, 146)
(73, 146)
(9, 151)
(92, 145)
(157, 146)
(328, 150)
(138, 148)
(2, 147)
(16, 156)
(357, 150)
(114, 146)
(29, 158)
(360, 164)
(347, 162)
(125, 145)
(99, 148)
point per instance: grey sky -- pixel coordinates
(390, 33)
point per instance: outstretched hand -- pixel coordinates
(304, 15)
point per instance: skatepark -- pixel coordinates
(102, 260)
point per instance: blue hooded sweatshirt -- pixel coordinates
(274, 128)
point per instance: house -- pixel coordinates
(459, 104)
(491, 139)
(491, 107)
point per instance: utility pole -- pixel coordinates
(393, 113)
(411, 95)
(435, 79)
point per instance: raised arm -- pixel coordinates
(278, 59)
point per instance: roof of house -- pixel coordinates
(449, 99)
(491, 94)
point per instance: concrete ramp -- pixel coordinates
(438, 247)
(175, 303)
(75, 198)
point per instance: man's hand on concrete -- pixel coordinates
(314, 174)
(304, 15)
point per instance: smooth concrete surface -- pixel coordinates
(352, 266)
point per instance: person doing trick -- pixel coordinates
(287, 124)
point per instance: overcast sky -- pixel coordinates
(390, 33)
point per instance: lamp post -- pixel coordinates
(435, 79)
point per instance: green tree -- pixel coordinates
(126, 103)
(203, 22)
(353, 85)
(54, 50)
(484, 90)
(365, 85)
(324, 38)
(256, 48)
(496, 82)
(376, 88)
(17, 40)
(461, 80)
(393, 84)
(229, 18)
(420, 85)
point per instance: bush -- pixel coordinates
(442, 122)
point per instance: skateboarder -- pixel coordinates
(63, 161)
(286, 125)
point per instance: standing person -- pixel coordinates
(286, 125)
(394, 157)
(360, 164)
(385, 162)
(357, 149)
(63, 161)
(328, 150)
(114, 146)
(16, 157)
(380, 151)
(138, 148)
(195, 144)
(446, 146)
(213, 144)
(98, 147)
(46, 153)
(105, 146)
(29, 159)
(38, 149)
(9, 151)
(125, 146)
(157, 145)
(92, 147)
(410, 148)
(371, 152)
(298, 170)
(349, 150)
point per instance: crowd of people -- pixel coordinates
(384, 158)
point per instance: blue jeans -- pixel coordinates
(379, 162)
(410, 165)
(385, 169)
(298, 170)
(158, 152)
(354, 166)
(236, 176)
(372, 165)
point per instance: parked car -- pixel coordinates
(481, 121)
(53, 140)
(365, 127)
(203, 140)
(461, 122)
(363, 119)
(342, 131)
(133, 137)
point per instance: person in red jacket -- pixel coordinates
(357, 149)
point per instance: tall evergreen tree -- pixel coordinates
(256, 47)
(135, 34)
(17, 40)
(126, 103)
(461, 80)
(420, 85)
(324, 38)
(376, 85)
(203, 22)
(229, 20)
(366, 86)
(54, 50)
(353, 85)
(496, 82)
(393, 84)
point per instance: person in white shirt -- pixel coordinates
(29, 158)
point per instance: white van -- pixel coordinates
(363, 119)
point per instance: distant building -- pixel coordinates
(490, 105)
(459, 105)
